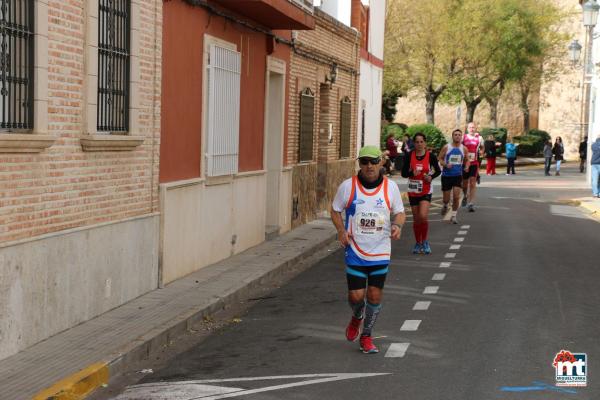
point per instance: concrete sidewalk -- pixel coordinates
(520, 161)
(71, 364)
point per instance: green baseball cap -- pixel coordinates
(370, 152)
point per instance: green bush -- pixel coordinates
(435, 138)
(542, 134)
(529, 145)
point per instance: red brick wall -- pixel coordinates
(330, 41)
(64, 187)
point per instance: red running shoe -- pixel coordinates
(353, 329)
(367, 346)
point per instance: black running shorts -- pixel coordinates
(471, 173)
(359, 276)
(448, 182)
(415, 200)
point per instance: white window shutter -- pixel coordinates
(223, 114)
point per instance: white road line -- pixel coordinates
(450, 255)
(397, 350)
(431, 290)
(445, 264)
(438, 277)
(462, 232)
(188, 390)
(459, 240)
(421, 306)
(465, 227)
(455, 247)
(410, 325)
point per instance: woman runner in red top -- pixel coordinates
(421, 169)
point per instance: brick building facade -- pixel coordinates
(78, 201)
(324, 67)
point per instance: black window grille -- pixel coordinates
(16, 64)
(345, 127)
(113, 65)
(307, 124)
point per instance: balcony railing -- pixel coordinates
(306, 5)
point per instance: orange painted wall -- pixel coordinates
(184, 27)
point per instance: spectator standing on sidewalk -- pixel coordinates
(547, 157)
(583, 154)
(374, 213)
(558, 150)
(490, 155)
(595, 167)
(511, 156)
(391, 145)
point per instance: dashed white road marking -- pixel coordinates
(455, 247)
(459, 240)
(465, 227)
(438, 277)
(445, 264)
(431, 289)
(450, 255)
(462, 232)
(410, 325)
(397, 350)
(421, 306)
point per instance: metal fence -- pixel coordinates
(16, 64)
(113, 65)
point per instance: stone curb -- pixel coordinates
(590, 204)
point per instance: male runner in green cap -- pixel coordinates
(374, 214)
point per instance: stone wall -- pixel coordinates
(411, 110)
(309, 198)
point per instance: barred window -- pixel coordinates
(113, 65)
(345, 127)
(16, 64)
(307, 124)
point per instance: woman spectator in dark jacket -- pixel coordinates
(558, 150)
(489, 147)
(391, 145)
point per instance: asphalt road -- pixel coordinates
(522, 285)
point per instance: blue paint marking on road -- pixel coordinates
(537, 386)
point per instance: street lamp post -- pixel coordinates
(590, 17)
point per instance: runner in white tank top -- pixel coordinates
(374, 213)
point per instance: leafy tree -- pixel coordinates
(550, 62)
(502, 41)
(420, 51)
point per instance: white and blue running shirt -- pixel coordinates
(368, 219)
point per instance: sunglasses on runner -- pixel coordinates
(365, 161)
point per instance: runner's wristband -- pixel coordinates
(398, 225)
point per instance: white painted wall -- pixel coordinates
(339, 9)
(370, 91)
(200, 221)
(371, 77)
(376, 27)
